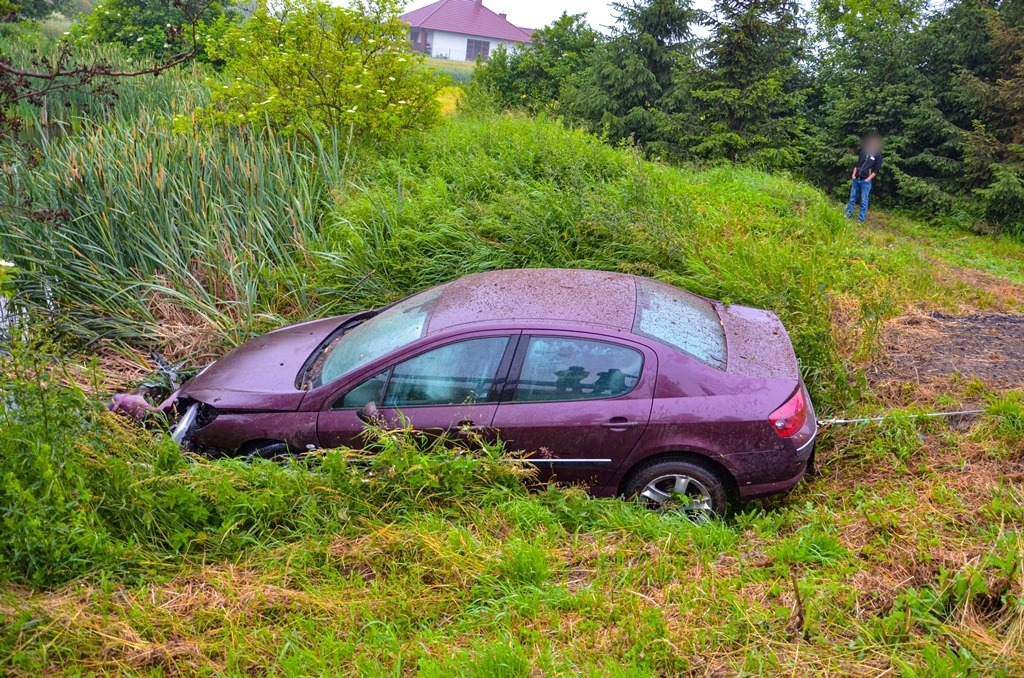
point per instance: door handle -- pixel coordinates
(620, 422)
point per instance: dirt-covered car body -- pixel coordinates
(593, 375)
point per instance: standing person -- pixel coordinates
(869, 164)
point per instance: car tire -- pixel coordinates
(269, 450)
(679, 484)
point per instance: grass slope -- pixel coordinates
(121, 556)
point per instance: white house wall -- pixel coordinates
(453, 45)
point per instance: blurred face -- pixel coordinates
(872, 143)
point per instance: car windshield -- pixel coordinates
(391, 329)
(681, 320)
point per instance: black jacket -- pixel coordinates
(866, 164)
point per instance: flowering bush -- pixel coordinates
(306, 65)
(150, 30)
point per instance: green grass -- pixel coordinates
(889, 560)
(487, 192)
(122, 556)
(999, 255)
(459, 71)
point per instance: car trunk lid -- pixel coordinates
(757, 344)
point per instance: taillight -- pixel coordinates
(792, 416)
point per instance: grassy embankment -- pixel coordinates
(120, 556)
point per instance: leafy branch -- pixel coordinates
(58, 72)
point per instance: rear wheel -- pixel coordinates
(678, 484)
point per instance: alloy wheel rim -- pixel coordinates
(680, 492)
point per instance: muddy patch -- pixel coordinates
(923, 347)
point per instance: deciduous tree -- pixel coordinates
(532, 77)
(309, 65)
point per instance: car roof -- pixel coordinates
(537, 294)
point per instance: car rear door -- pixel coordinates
(577, 404)
(448, 386)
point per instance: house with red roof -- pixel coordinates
(462, 29)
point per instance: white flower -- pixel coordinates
(391, 79)
(139, 40)
(353, 109)
(6, 264)
(380, 91)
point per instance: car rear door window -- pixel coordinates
(681, 320)
(461, 373)
(565, 368)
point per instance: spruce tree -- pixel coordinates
(746, 100)
(626, 93)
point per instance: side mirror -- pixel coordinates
(369, 414)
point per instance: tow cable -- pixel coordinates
(869, 420)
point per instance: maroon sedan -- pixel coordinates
(626, 384)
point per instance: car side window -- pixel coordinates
(562, 368)
(459, 373)
(370, 391)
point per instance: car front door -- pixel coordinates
(577, 405)
(444, 388)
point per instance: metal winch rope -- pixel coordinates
(868, 420)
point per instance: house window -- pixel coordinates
(477, 48)
(418, 40)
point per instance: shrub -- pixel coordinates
(308, 65)
(150, 29)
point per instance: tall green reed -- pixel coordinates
(125, 229)
(127, 226)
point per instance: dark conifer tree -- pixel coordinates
(627, 92)
(745, 99)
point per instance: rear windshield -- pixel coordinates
(681, 320)
(393, 328)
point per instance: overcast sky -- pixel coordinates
(538, 13)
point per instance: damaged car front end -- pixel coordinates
(243, 390)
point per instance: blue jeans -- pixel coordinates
(862, 190)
